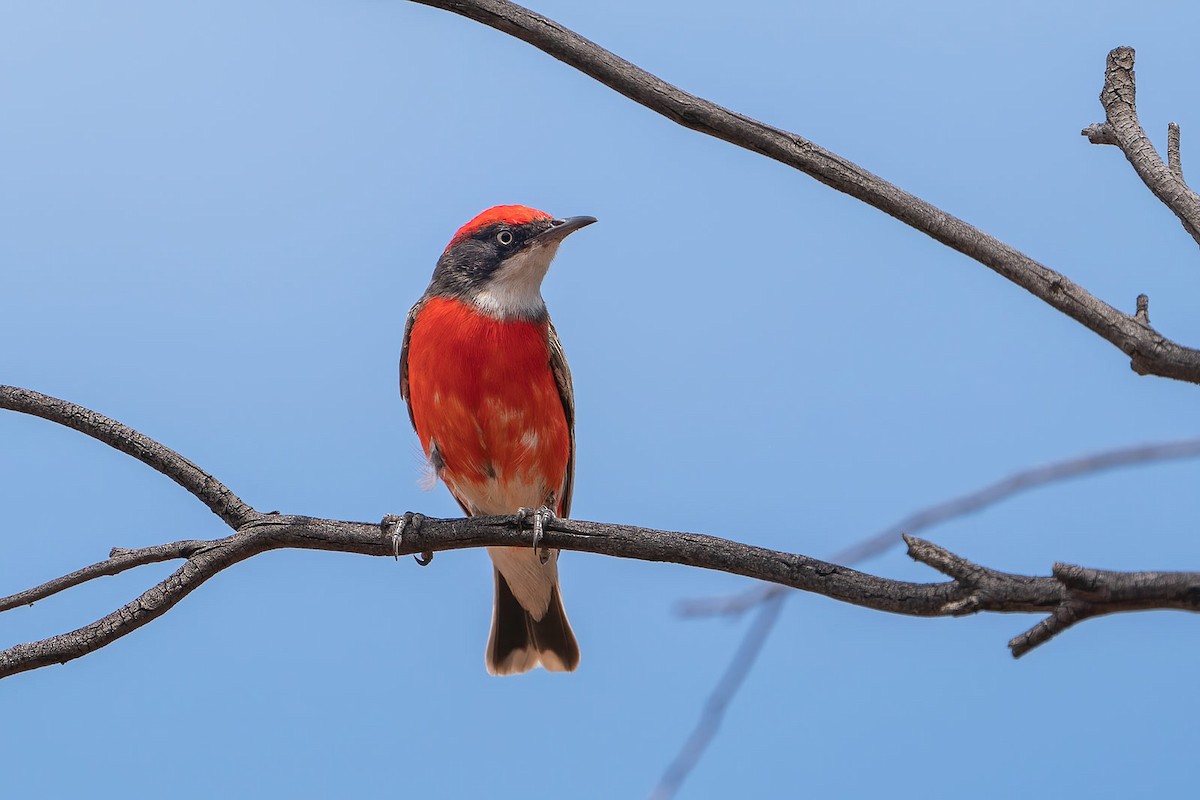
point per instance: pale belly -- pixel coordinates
(502, 494)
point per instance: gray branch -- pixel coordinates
(119, 560)
(1122, 129)
(207, 489)
(1150, 353)
(1069, 595)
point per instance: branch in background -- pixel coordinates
(973, 588)
(1122, 129)
(961, 506)
(772, 597)
(1149, 351)
(722, 695)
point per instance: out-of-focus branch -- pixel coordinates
(1150, 352)
(769, 598)
(1123, 129)
(722, 695)
(963, 505)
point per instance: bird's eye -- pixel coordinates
(505, 238)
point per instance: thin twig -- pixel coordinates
(718, 701)
(152, 604)
(118, 561)
(1143, 308)
(1150, 353)
(1022, 481)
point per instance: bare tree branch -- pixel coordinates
(1086, 592)
(973, 588)
(207, 489)
(1150, 352)
(1122, 129)
(1091, 592)
(119, 561)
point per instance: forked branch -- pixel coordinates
(973, 588)
(1122, 129)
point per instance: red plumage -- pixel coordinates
(483, 391)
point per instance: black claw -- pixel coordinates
(396, 526)
(425, 559)
(540, 517)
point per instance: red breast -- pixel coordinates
(482, 390)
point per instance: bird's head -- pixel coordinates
(498, 259)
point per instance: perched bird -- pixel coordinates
(489, 394)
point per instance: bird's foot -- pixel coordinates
(395, 526)
(541, 516)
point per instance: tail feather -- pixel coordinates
(518, 642)
(553, 637)
(509, 649)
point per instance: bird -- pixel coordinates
(489, 394)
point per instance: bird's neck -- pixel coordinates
(514, 290)
(505, 303)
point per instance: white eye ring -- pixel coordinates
(505, 238)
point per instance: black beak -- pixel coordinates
(560, 228)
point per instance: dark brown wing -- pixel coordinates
(562, 377)
(408, 326)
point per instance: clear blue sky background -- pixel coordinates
(215, 216)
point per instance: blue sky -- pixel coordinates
(216, 215)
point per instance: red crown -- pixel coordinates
(511, 215)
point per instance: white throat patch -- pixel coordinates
(515, 288)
